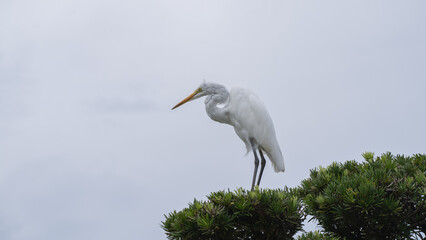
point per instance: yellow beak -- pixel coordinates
(187, 99)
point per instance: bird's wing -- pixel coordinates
(251, 119)
(249, 116)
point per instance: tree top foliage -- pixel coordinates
(381, 198)
(258, 214)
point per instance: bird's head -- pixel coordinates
(203, 90)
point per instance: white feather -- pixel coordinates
(250, 119)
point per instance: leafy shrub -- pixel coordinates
(381, 198)
(316, 236)
(259, 214)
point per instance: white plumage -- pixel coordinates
(248, 115)
(251, 119)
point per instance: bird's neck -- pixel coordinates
(219, 114)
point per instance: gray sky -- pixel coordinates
(89, 148)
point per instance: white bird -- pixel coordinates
(251, 121)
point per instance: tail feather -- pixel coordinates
(277, 161)
(275, 155)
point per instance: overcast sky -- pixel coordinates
(89, 148)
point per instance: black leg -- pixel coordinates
(256, 163)
(262, 166)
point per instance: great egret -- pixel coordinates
(246, 113)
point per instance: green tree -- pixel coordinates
(381, 198)
(316, 235)
(258, 214)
